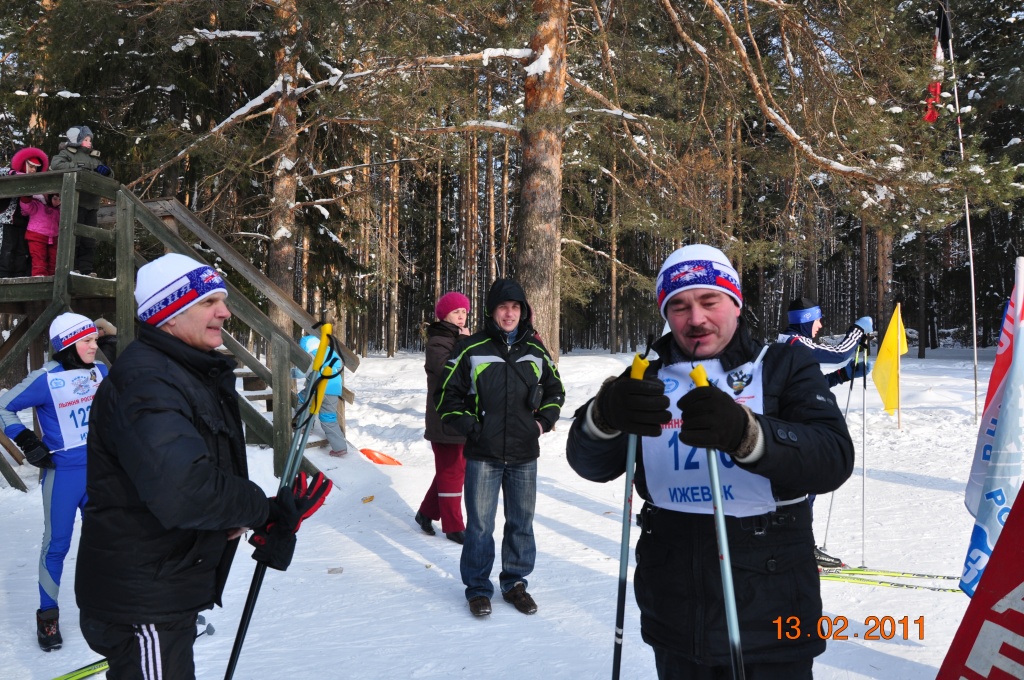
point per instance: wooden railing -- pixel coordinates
(132, 213)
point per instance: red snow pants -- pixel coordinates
(444, 497)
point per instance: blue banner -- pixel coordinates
(1002, 474)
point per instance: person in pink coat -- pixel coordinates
(14, 255)
(41, 233)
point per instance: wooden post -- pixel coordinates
(124, 263)
(66, 239)
(6, 469)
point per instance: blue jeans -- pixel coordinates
(518, 484)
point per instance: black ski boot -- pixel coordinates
(48, 629)
(826, 561)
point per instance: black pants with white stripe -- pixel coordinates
(152, 651)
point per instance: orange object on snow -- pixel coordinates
(379, 458)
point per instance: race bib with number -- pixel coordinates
(677, 474)
(72, 393)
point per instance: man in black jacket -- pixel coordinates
(780, 436)
(167, 480)
(502, 392)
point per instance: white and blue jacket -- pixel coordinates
(62, 399)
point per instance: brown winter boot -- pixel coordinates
(48, 629)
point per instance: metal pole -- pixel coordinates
(627, 521)
(864, 467)
(846, 414)
(732, 618)
(636, 372)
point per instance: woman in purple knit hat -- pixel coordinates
(444, 497)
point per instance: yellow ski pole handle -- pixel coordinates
(318, 364)
(699, 376)
(321, 389)
(639, 367)
(318, 358)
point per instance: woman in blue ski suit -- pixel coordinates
(61, 393)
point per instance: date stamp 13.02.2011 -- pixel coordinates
(838, 628)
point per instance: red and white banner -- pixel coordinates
(989, 645)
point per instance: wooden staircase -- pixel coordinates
(38, 300)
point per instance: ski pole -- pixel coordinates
(313, 393)
(636, 372)
(846, 414)
(700, 379)
(864, 459)
(853, 381)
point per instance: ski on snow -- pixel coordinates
(96, 667)
(890, 573)
(869, 581)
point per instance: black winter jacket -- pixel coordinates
(441, 338)
(677, 580)
(166, 480)
(486, 389)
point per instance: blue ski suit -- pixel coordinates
(62, 399)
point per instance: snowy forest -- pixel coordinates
(369, 155)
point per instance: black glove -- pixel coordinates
(103, 170)
(275, 546)
(634, 406)
(275, 540)
(35, 451)
(711, 419)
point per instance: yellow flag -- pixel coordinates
(886, 372)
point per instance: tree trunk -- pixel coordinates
(538, 252)
(613, 237)
(281, 259)
(922, 308)
(392, 279)
(505, 221)
(883, 288)
(863, 309)
(437, 236)
(492, 271)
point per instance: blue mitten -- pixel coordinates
(865, 324)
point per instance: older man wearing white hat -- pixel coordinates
(169, 493)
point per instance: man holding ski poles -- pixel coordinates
(167, 481)
(779, 436)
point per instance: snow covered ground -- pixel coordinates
(370, 596)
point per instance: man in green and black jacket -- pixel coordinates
(501, 391)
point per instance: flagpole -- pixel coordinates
(899, 323)
(967, 211)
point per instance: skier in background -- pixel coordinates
(836, 362)
(61, 392)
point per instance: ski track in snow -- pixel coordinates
(397, 609)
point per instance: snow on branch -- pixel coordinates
(189, 39)
(492, 126)
(600, 253)
(270, 93)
